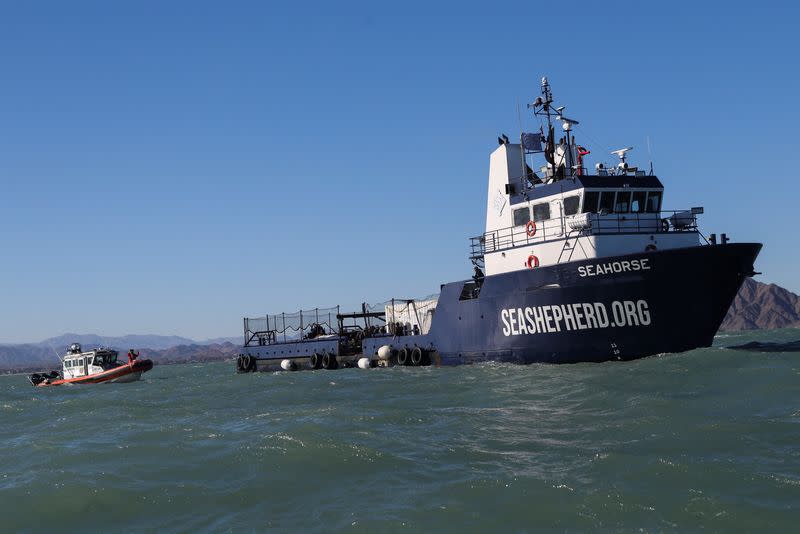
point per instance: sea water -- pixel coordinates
(708, 439)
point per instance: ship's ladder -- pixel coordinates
(571, 248)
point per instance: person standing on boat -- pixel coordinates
(132, 355)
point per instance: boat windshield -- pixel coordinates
(104, 358)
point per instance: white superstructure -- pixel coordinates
(560, 213)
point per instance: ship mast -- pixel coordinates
(543, 106)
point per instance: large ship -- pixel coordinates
(573, 266)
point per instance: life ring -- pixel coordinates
(530, 228)
(532, 262)
(650, 248)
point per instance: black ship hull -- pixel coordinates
(613, 308)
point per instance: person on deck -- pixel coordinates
(132, 355)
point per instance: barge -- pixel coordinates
(573, 266)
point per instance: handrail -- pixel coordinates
(587, 224)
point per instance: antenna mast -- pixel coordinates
(56, 352)
(543, 106)
(548, 99)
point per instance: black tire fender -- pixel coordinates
(329, 361)
(403, 356)
(417, 357)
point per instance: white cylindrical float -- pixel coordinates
(385, 352)
(363, 363)
(288, 365)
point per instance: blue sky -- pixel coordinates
(170, 167)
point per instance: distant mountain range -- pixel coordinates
(133, 341)
(757, 306)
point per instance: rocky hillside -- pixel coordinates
(762, 306)
(193, 353)
(14, 357)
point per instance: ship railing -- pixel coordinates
(295, 326)
(583, 224)
(392, 317)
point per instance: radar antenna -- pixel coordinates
(622, 153)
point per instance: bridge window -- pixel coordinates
(541, 212)
(654, 202)
(571, 205)
(522, 216)
(637, 205)
(623, 203)
(590, 200)
(607, 202)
